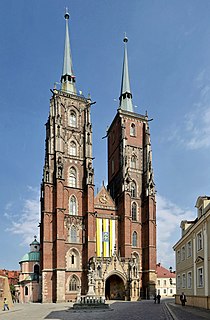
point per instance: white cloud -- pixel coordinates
(169, 217)
(193, 133)
(26, 222)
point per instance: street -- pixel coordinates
(141, 310)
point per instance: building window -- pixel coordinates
(189, 280)
(158, 282)
(73, 206)
(73, 149)
(178, 281)
(73, 119)
(164, 282)
(72, 259)
(178, 256)
(183, 280)
(134, 239)
(72, 177)
(134, 211)
(200, 277)
(73, 234)
(189, 249)
(183, 253)
(73, 284)
(133, 189)
(26, 291)
(199, 241)
(171, 291)
(133, 130)
(112, 166)
(133, 162)
(164, 291)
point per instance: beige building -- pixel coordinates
(193, 257)
(166, 281)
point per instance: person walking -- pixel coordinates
(155, 298)
(183, 299)
(158, 298)
(6, 306)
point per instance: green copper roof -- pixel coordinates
(31, 256)
(125, 95)
(67, 78)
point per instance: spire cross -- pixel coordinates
(125, 37)
(66, 16)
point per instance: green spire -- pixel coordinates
(67, 78)
(125, 95)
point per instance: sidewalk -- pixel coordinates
(187, 313)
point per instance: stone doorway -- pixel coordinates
(114, 288)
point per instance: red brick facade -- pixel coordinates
(110, 240)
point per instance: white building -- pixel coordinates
(193, 257)
(166, 281)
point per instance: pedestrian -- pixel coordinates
(158, 298)
(6, 307)
(183, 298)
(155, 297)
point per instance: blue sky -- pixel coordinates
(169, 65)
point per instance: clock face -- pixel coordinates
(103, 199)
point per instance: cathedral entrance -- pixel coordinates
(114, 288)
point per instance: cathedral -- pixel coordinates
(107, 239)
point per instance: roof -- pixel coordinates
(31, 256)
(35, 242)
(163, 272)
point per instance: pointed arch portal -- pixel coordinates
(114, 288)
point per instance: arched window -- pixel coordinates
(133, 189)
(36, 272)
(134, 239)
(73, 259)
(134, 211)
(26, 291)
(133, 162)
(73, 234)
(73, 119)
(72, 177)
(73, 284)
(73, 149)
(73, 206)
(133, 130)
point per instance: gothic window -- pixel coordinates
(72, 177)
(73, 149)
(73, 234)
(134, 239)
(73, 206)
(133, 162)
(133, 130)
(133, 189)
(72, 259)
(134, 211)
(73, 119)
(73, 284)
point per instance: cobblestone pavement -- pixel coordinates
(118, 311)
(187, 313)
(141, 310)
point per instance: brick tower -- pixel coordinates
(67, 192)
(107, 240)
(131, 183)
